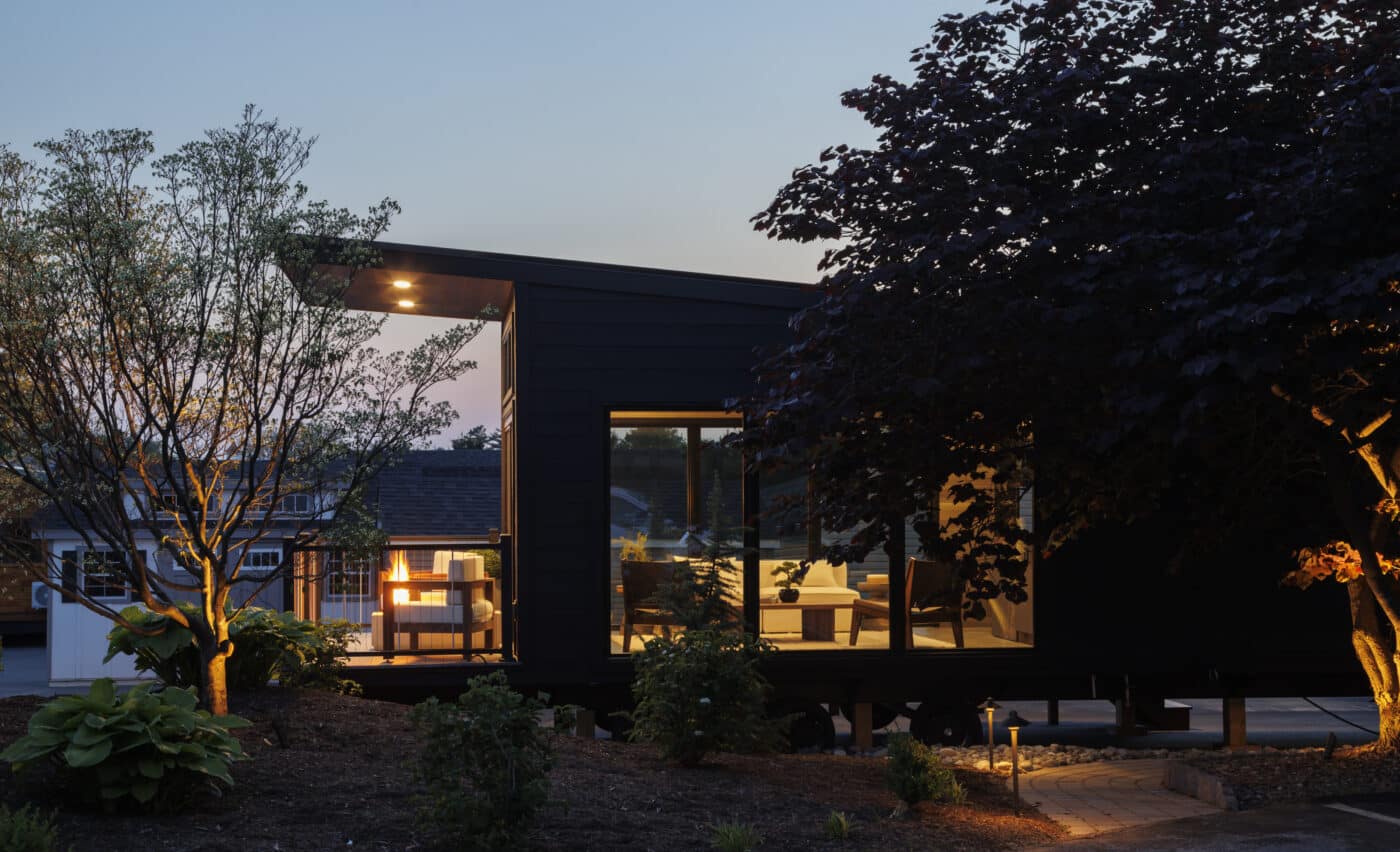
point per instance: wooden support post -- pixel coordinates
(1232, 708)
(586, 723)
(1052, 711)
(862, 729)
(1123, 716)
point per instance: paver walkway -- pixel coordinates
(1091, 798)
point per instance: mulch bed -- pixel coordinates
(342, 781)
(1261, 778)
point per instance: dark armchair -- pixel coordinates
(934, 593)
(641, 585)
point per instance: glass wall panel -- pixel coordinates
(939, 594)
(802, 611)
(675, 515)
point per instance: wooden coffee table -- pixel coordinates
(818, 619)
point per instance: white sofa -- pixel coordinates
(440, 608)
(825, 583)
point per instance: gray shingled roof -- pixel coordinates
(440, 493)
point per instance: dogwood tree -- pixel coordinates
(177, 361)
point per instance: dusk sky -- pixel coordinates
(642, 133)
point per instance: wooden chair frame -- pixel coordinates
(934, 593)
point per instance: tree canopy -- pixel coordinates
(477, 438)
(1111, 235)
(177, 362)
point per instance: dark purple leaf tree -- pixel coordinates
(1095, 239)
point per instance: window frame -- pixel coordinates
(251, 571)
(682, 417)
(335, 565)
(87, 557)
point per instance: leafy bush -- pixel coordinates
(915, 774)
(485, 764)
(837, 825)
(702, 692)
(151, 748)
(26, 830)
(267, 645)
(736, 837)
(321, 661)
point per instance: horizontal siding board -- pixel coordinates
(605, 312)
(573, 359)
(660, 336)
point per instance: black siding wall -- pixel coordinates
(581, 353)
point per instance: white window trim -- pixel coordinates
(249, 571)
(82, 584)
(370, 572)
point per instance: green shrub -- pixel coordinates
(151, 748)
(701, 692)
(485, 764)
(736, 837)
(915, 774)
(267, 645)
(491, 563)
(320, 662)
(837, 825)
(26, 830)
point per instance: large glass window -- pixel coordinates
(964, 601)
(805, 602)
(675, 515)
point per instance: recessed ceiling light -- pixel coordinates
(405, 303)
(402, 284)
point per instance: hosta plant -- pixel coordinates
(267, 645)
(149, 748)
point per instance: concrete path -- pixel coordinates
(26, 672)
(1093, 798)
(1301, 827)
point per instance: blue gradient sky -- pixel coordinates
(629, 132)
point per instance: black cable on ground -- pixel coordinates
(1339, 718)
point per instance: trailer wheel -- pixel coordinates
(941, 723)
(881, 715)
(811, 724)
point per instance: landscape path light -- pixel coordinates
(991, 707)
(1014, 723)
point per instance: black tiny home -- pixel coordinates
(612, 413)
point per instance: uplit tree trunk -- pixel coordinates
(1374, 640)
(1375, 617)
(215, 646)
(215, 690)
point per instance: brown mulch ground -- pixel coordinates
(1262, 778)
(342, 781)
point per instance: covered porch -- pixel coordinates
(450, 601)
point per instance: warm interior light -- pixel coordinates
(399, 573)
(405, 303)
(402, 284)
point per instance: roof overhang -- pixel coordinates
(465, 284)
(412, 280)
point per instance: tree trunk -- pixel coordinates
(1375, 645)
(215, 692)
(1389, 739)
(1375, 621)
(215, 654)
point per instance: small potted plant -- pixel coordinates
(790, 575)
